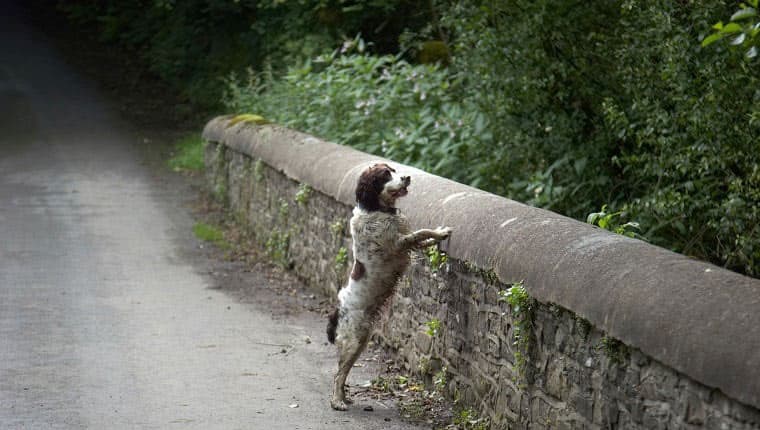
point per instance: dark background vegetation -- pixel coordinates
(567, 105)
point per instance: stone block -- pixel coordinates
(556, 384)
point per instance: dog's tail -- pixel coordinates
(332, 325)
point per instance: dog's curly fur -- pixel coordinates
(382, 242)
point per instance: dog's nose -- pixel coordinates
(406, 180)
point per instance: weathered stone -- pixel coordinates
(556, 380)
(696, 412)
(582, 403)
(422, 341)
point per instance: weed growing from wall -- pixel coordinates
(277, 246)
(284, 210)
(336, 228)
(436, 258)
(521, 305)
(433, 327)
(303, 194)
(440, 380)
(341, 259)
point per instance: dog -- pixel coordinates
(382, 242)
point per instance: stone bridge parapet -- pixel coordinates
(621, 334)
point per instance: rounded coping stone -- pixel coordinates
(695, 317)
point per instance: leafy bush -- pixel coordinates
(192, 43)
(379, 104)
(606, 102)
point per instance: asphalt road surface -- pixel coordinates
(103, 323)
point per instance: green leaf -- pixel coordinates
(718, 25)
(712, 39)
(744, 14)
(731, 28)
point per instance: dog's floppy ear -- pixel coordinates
(367, 196)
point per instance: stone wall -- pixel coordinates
(542, 366)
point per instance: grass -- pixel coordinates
(187, 154)
(209, 233)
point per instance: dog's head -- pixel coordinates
(379, 186)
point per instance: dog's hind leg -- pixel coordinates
(349, 351)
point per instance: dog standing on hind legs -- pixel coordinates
(382, 242)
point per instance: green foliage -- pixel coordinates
(336, 228)
(437, 258)
(685, 133)
(277, 247)
(379, 104)
(521, 306)
(743, 29)
(610, 221)
(467, 419)
(284, 210)
(517, 297)
(441, 379)
(341, 258)
(188, 154)
(190, 43)
(615, 102)
(210, 233)
(433, 327)
(384, 385)
(303, 194)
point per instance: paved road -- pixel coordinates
(103, 323)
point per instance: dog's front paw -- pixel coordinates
(338, 405)
(443, 232)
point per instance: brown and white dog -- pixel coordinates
(382, 243)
